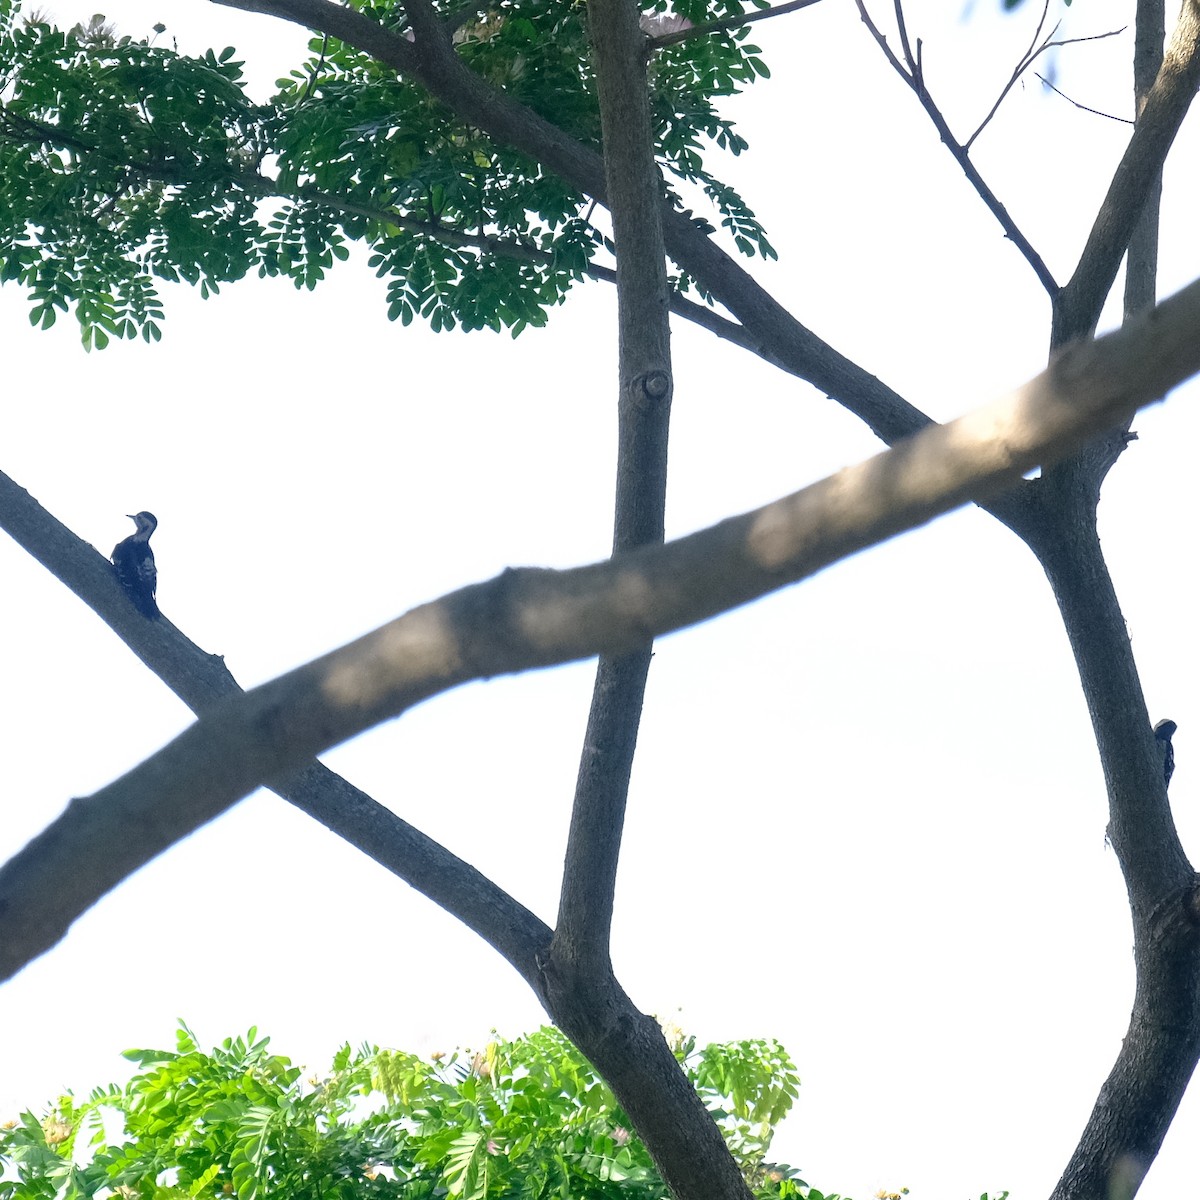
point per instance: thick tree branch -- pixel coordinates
(634, 185)
(202, 680)
(1141, 1096)
(1138, 1101)
(1078, 306)
(1141, 259)
(533, 618)
(768, 325)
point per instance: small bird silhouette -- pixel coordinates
(1163, 733)
(133, 561)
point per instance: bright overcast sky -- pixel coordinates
(867, 815)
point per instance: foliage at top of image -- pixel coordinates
(523, 1118)
(124, 163)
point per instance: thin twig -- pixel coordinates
(1022, 65)
(1084, 107)
(682, 35)
(914, 69)
(912, 76)
(1029, 60)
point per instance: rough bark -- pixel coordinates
(1138, 1101)
(580, 991)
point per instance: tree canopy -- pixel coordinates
(492, 190)
(126, 164)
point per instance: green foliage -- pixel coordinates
(123, 163)
(521, 1120)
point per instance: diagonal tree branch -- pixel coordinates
(778, 335)
(1025, 60)
(1096, 112)
(534, 618)
(912, 72)
(1078, 306)
(1030, 57)
(202, 681)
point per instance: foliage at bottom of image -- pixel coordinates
(523, 1118)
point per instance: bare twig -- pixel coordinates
(902, 28)
(912, 72)
(682, 35)
(1022, 65)
(1028, 60)
(1094, 111)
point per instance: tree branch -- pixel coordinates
(1138, 1101)
(1082, 107)
(1029, 58)
(202, 681)
(778, 335)
(913, 76)
(1141, 259)
(534, 618)
(1022, 64)
(645, 385)
(1078, 306)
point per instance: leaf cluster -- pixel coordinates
(528, 1118)
(114, 161)
(124, 163)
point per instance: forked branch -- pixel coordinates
(911, 70)
(1035, 51)
(534, 618)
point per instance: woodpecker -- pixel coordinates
(1163, 733)
(133, 561)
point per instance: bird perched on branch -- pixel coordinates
(133, 561)
(1163, 733)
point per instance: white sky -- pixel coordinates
(867, 816)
